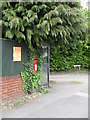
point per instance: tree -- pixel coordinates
(65, 56)
(37, 22)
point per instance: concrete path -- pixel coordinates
(66, 99)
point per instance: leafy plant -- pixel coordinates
(37, 22)
(65, 56)
(32, 80)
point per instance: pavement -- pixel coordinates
(67, 98)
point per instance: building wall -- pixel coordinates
(11, 87)
(9, 67)
(10, 80)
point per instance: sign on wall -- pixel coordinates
(16, 53)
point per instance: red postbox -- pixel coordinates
(35, 64)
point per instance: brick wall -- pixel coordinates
(11, 87)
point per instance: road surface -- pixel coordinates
(66, 99)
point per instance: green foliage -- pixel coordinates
(37, 22)
(64, 57)
(61, 24)
(32, 80)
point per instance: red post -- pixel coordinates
(35, 65)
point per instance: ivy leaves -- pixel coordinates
(32, 80)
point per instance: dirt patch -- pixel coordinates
(76, 82)
(20, 101)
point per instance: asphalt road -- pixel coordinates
(66, 99)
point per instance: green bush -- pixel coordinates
(64, 57)
(30, 79)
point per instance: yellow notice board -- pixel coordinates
(16, 53)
